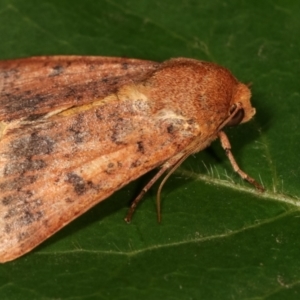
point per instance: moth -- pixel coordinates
(75, 129)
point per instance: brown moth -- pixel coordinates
(75, 129)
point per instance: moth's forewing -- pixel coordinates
(33, 86)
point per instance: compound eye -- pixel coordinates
(237, 118)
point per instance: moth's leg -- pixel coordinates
(227, 147)
(167, 165)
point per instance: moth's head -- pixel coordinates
(241, 108)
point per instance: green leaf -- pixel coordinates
(219, 238)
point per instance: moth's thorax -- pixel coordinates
(200, 91)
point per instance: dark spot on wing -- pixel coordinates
(17, 183)
(57, 70)
(12, 212)
(22, 167)
(135, 164)
(20, 199)
(31, 145)
(80, 185)
(191, 121)
(123, 128)
(7, 200)
(21, 210)
(140, 147)
(170, 128)
(21, 202)
(77, 130)
(77, 182)
(28, 216)
(7, 228)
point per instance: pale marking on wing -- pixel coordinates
(120, 96)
